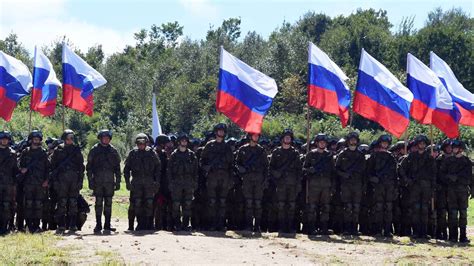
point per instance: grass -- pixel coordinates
(434, 253)
(108, 258)
(21, 249)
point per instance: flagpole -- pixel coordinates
(308, 132)
(64, 116)
(29, 123)
(406, 138)
(431, 138)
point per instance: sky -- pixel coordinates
(112, 22)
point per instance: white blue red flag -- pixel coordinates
(327, 89)
(381, 97)
(432, 103)
(244, 94)
(15, 83)
(463, 99)
(79, 82)
(45, 85)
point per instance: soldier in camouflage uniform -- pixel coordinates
(103, 174)
(34, 167)
(67, 165)
(216, 163)
(252, 166)
(418, 171)
(456, 171)
(350, 166)
(143, 165)
(382, 174)
(8, 172)
(442, 193)
(183, 176)
(160, 202)
(285, 170)
(320, 172)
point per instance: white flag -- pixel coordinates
(156, 129)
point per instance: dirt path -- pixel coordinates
(243, 248)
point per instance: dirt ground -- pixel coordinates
(161, 247)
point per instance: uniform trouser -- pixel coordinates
(458, 201)
(405, 210)
(384, 196)
(420, 203)
(34, 197)
(142, 199)
(103, 193)
(367, 204)
(67, 192)
(285, 204)
(6, 204)
(441, 208)
(182, 196)
(351, 195)
(252, 188)
(218, 185)
(318, 206)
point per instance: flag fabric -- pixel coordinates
(79, 82)
(156, 126)
(45, 85)
(15, 83)
(327, 89)
(432, 103)
(463, 99)
(381, 97)
(244, 94)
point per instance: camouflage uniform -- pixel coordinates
(8, 172)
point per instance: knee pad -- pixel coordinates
(379, 206)
(462, 214)
(389, 206)
(28, 204)
(417, 206)
(99, 201)
(356, 207)
(108, 201)
(348, 206)
(38, 204)
(72, 202)
(149, 203)
(137, 203)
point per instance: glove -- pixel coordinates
(311, 170)
(374, 179)
(452, 178)
(128, 186)
(241, 169)
(117, 186)
(156, 186)
(206, 168)
(91, 184)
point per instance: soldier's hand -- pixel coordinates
(241, 169)
(311, 170)
(45, 184)
(117, 186)
(374, 179)
(23, 170)
(128, 186)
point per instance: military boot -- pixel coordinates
(186, 225)
(107, 226)
(73, 223)
(387, 231)
(98, 224)
(462, 235)
(453, 234)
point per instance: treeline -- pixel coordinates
(183, 72)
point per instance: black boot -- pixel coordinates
(140, 223)
(462, 235)
(98, 224)
(387, 231)
(73, 223)
(131, 222)
(186, 225)
(324, 228)
(347, 228)
(453, 234)
(107, 226)
(61, 224)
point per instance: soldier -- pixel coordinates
(442, 193)
(350, 166)
(456, 171)
(216, 163)
(8, 172)
(183, 176)
(285, 170)
(103, 174)
(319, 169)
(252, 166)
(34, 167)
(382, 173)
(143, 165)
(67, 164)
(160, 202)
(419, 173)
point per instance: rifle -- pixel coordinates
(34, 160)
(276, 174)
(61, 165)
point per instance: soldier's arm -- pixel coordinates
(157, 169)
(90, 164)
(127, 168)
(117, 171)
(47, 166)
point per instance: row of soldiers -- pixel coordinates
(346, 188)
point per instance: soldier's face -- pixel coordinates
(456, 150)
(421, 146)
(105, 140)
(221, 133)
(448, 149)
(36, 142)
(183, 143)
(384, 145)
(287, 139)
(255, 137)
(322, 145)
(353, 142)
(69, 140)
(141, 145)
(4, 142)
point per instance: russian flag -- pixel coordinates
(79, 82)
(45, 85)
(327, 89)
(463, 99)
(15, 83)
(244, 94)
(381, 97)
(432, 103)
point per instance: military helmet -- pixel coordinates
(446, 143)
(264, 141)
(364, 148)
(456, 143)
(436, 148)
(397, 146)
(35, 134)
(172, 137)
(141, 138)
(353, 135)
(422, 138)
(332, 141)
(5, 135)
(219, 127)
(287, 132)
(321, 137)
(385, 138)
(104, 133)
(66, 133)
(182, 136)
(340, 143)
(195, 142)
(231, 141)
(162, 139)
